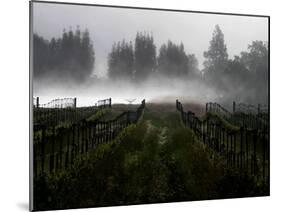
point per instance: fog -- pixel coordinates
(109, 25)
(155, 89)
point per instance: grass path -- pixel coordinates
(162, 122)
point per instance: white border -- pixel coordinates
(14, 151)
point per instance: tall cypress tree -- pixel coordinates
(121, 61)
(216, 56)
(145, 55)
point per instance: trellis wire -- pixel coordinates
(63, 110)
(244, 115)
(58, 149)
(245, 149)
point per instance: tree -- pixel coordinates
(172, 60)
(121, 61)
(256, 62)
(77, 43)
(69, 57)
(236, 74)
(87, 54)
(257, 59)
(40, 55)
(216, 56)
(245, 78)
(193, 65)
(145, 55)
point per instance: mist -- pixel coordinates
(185, 75)
(154, 90)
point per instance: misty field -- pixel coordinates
(156, 159)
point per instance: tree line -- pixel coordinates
(246, 73)
(140, 61)
(71, 56)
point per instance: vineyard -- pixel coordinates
(241, 137)
(131, 154)
(56, 147)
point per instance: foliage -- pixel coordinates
(69, 57)
(98, 115)
(243, 78)
(137, 168)
(216, 56)
(221, 120)
(145, 55)
(173, 61)
(121, 61)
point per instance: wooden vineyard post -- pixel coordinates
(87, 136)
(223, 140)
(113, 126)
(253, 156)
(212, 136)
(207, 131)
(57, 153)
(102, 132)
(234, 149)
(106, 132)
(99, 132)
(37, 102)
(35, 159)
(247, 149)
(219, 138)
(90, 135)
(241, 148)
(83, 136)
(255, 152)
(234, 107)
(68, 132)
(110, 130)
(74, 102)
(61, 137)
(94, 134)
(264, 154)
(201, 130)
(52, 156)
(43, 140)
(227, 147)
(231, 149)
(204, 131)
(78, 126)
(73, 144)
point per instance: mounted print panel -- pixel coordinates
(138, 106)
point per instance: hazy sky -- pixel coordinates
(107, 25)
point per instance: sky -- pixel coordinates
(108, 25)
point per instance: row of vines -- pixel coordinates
(243, 148)
(55, 148)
